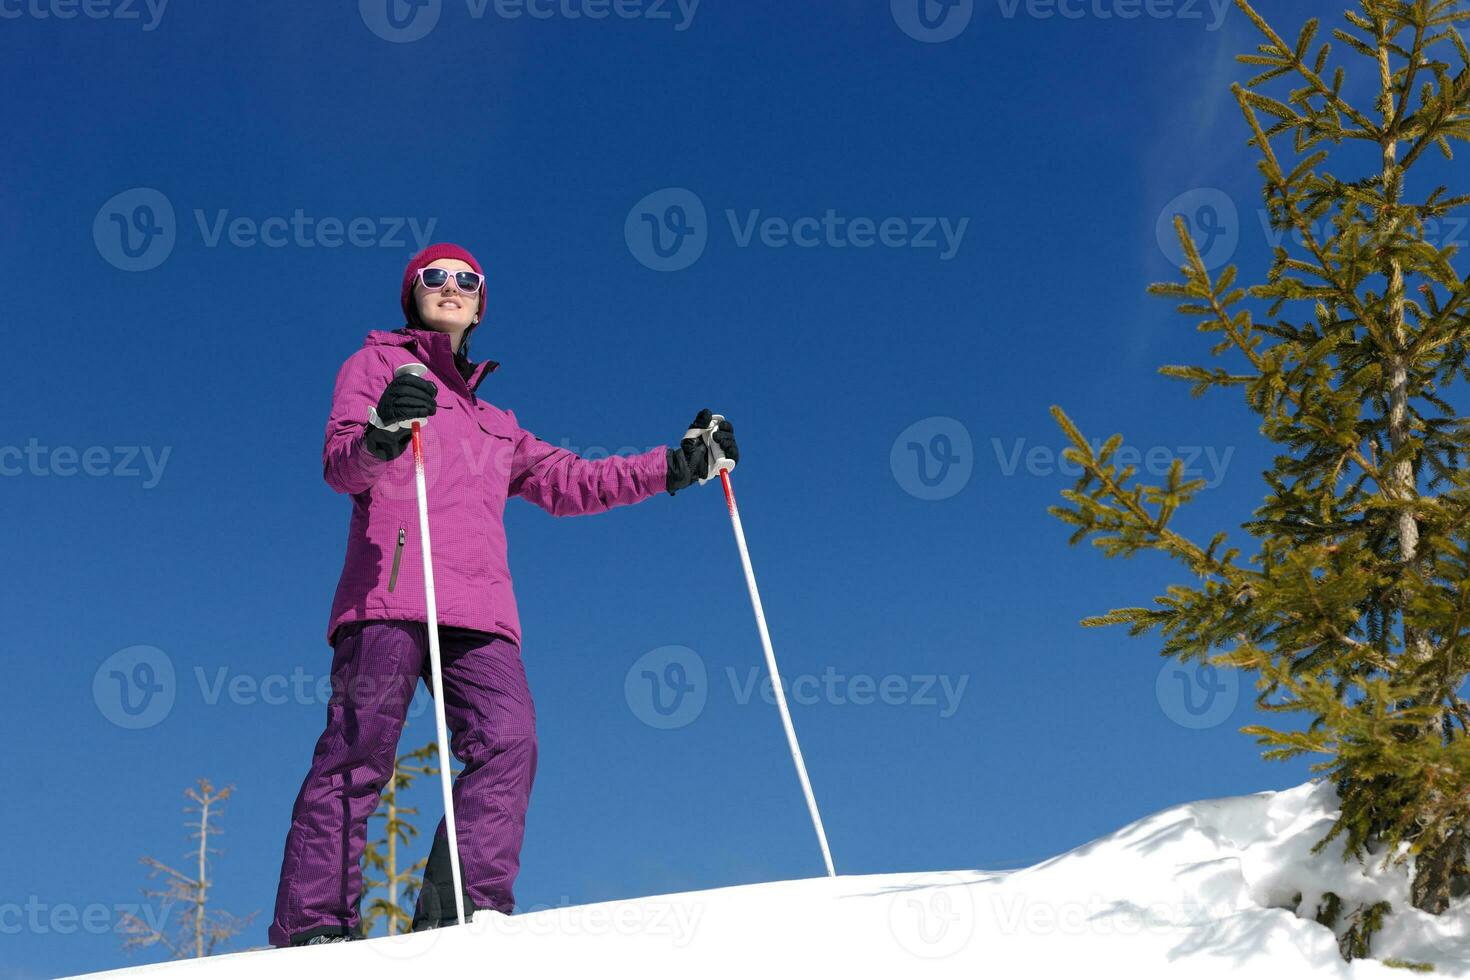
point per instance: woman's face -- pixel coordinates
(447, 309)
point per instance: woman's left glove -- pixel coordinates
(690, 461)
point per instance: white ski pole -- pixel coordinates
(724, 464)
(445, 775)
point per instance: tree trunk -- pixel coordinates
(392, 826)
(203, 885)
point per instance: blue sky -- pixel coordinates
(871, 239)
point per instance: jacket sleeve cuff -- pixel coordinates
(653, 471)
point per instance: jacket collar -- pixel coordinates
(433, 348)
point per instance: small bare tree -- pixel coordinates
(199, 930)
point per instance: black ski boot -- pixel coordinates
(435, 907)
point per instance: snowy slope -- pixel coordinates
(1199, 891)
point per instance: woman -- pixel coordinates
(476, 456)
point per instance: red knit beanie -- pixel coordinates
(430, 255)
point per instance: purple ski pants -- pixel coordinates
(376, 666)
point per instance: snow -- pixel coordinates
(1201, 890)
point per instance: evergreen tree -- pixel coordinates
(381, 856)
(1354, 611)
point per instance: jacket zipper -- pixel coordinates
(397, 557)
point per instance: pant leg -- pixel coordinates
(492, 724)
(375, 668)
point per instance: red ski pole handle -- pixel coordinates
(418, 371)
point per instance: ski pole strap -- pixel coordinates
(376, 422)
(715, 457)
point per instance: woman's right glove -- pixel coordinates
(690, 461)
(406, 398)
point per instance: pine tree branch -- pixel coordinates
(1288, 56)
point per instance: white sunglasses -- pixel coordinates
(465, 282)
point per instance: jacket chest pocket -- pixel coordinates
(490, 439)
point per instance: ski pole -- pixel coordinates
(724, 464)
(418, 370)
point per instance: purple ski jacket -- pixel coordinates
(475, 456)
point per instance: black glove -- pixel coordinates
(690, 461)
(406, 397)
